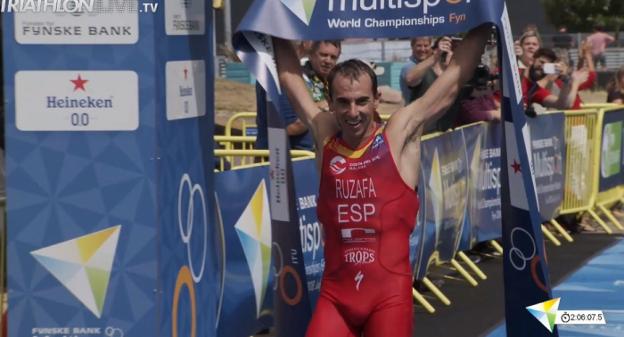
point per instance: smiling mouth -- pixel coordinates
(354, 122)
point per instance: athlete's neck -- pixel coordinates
(356, 142)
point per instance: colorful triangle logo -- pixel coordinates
(546, 312)
(254, 232)
(83, 265)
(303, 9)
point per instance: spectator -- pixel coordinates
(322, 57)
(529, 43)
(599, 41)
(563, 40)
(552, 85)
(420, 77)
(483, 103)
(615, 88)
(421, 50)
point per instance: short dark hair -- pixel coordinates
(547, 53)
(352, 69)
(317, 44)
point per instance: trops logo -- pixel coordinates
(254, 232)
(303, 9)
(83, 265)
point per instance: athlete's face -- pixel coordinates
(354, 105)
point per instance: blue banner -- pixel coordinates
(611, 153)
(453, 173)
(430, 214)
(316, 20)
(310, 229)
(487, 214)
(548, 155)
(108, 117)
(245, 303)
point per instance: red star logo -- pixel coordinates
(79, 83)
(516, 166)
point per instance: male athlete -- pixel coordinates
(367, 198)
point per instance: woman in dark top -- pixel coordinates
(615, 88)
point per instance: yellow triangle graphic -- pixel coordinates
(89, 244)
(257, 208)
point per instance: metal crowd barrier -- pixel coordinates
(251, 158)
(604, 199)
(247, 121)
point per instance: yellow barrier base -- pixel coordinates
(472, 265)
(600, 221)
(423, 301)
(464, 273)
(561, 230)
(550, 236)
(436, 291)
(496, 246)
(610, 216)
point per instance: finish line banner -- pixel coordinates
(109, 128)
(339, 19)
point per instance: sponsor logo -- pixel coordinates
(338, 165)
(545, 312)
(76, 101)
(311, 236)
(377, 142)
(104, 22)
(83, 265)
(373, 5)
(184, 80)
(254, 232)
(303, 9)
(358, 279)
(358, 256)
(185, 17)
(549, 315)
(358, 235)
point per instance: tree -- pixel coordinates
(583, 15)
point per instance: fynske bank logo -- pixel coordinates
(83, 265)
(303, 9)
(76, 100)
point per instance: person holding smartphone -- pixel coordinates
(422, 75)
(552, 84)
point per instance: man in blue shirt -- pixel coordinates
(421, 50)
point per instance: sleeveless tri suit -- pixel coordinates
(368, 213)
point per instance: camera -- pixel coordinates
(481, 77)
(550, 69)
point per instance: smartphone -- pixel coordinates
(550, 68)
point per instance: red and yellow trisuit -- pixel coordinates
(368, 214)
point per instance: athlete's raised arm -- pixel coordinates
(405, 127)
(322, 124)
